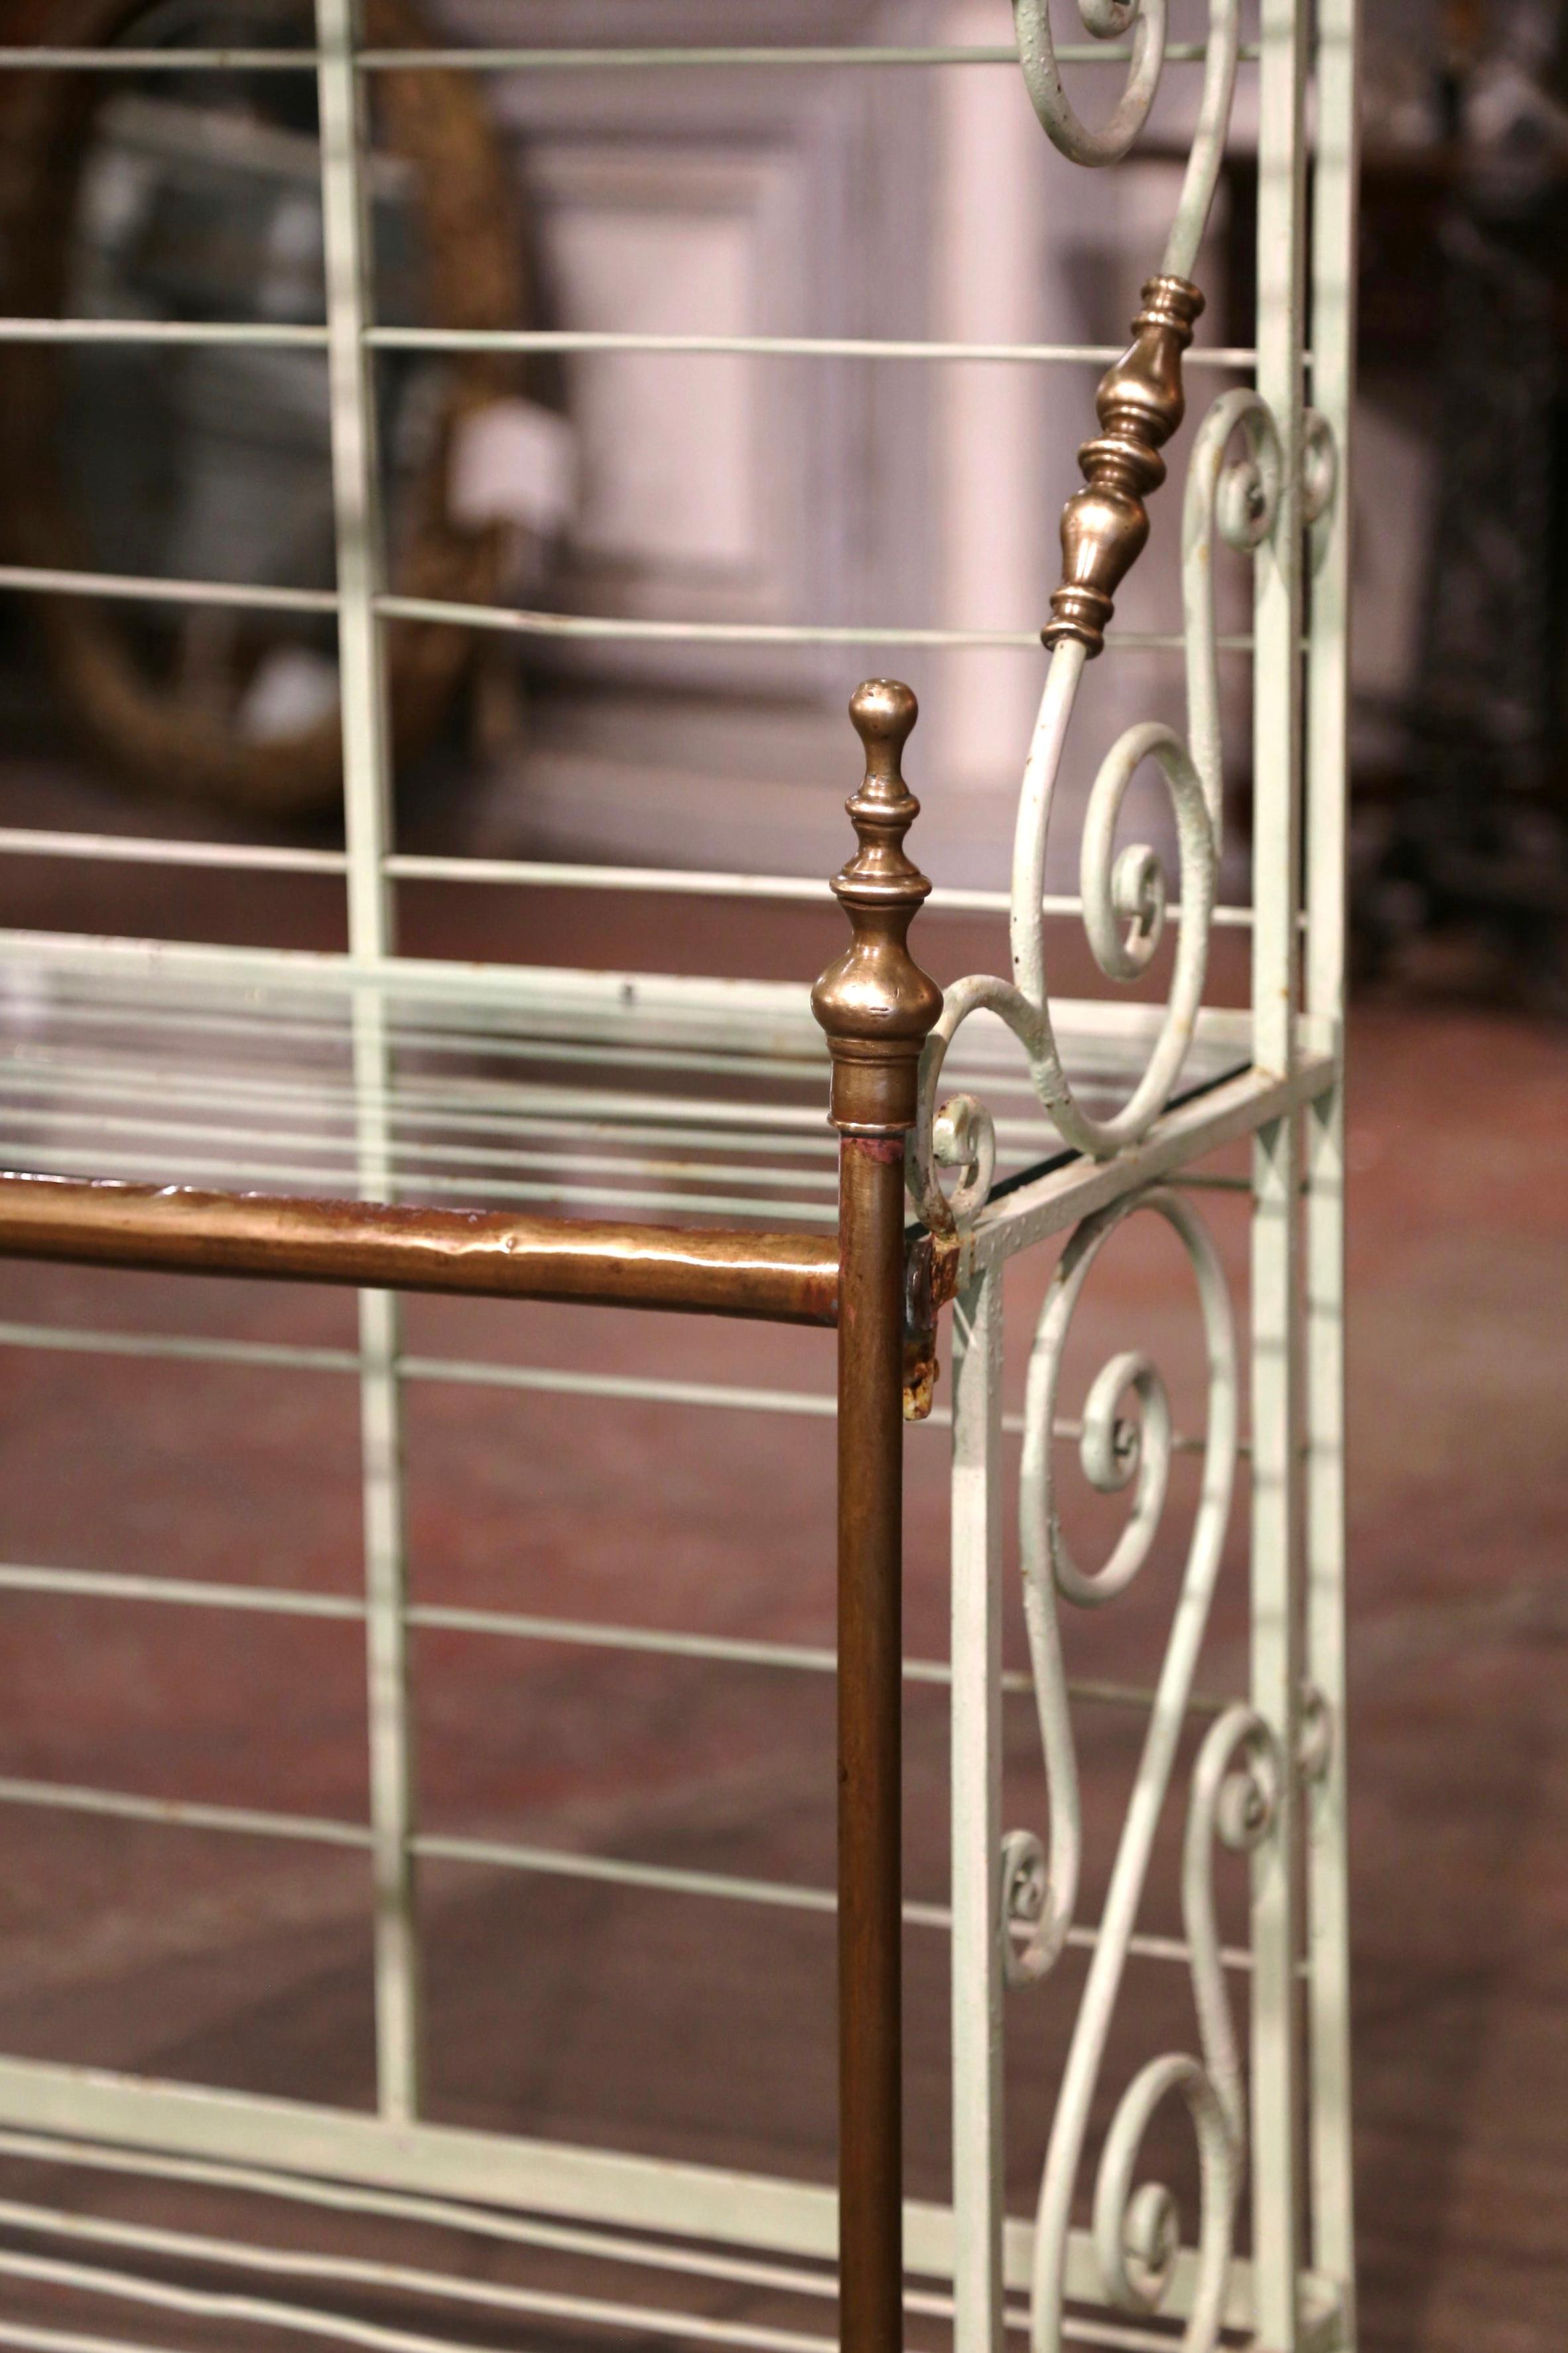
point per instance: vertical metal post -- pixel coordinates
(876, 1006)
(367, 766)
(978, 1987)
(1276, 1253)
(1333, 314)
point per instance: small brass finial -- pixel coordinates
(1139, 403)
(875, 1003)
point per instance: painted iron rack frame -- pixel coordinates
(1269, 1776)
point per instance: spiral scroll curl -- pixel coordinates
(1124, 892)
(1103, 20)
(1147, 21)
(1137, 2230)
(1117, 1453)
(1232, 1798)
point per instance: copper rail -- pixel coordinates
(779, 1278)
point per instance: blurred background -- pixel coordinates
(589, 487)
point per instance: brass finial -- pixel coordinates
(875, 1003)
(1139, 403)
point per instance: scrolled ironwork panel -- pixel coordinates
(1232, 1801)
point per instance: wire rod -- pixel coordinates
(500, 60)
(538, 1379)
(455, 1090)
(705, 883)
(349, 2270)
(57, 1160)
(139, 849)
(41, 58)
(180, 1813)
(182, 333)
(38, 58)
(113, 1585)
(177, 333)
(135, 589)
(479, 2221)
(553, 874)
(505, 1854)
(312, 1023)
(1111, 2335)
(419, 1111)
(807, 347)
(267, 1355)
(411, 1155)
(218, 2304)
(748, 633)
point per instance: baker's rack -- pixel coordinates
(1047, 1121)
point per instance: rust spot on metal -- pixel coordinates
(930, 1278)
(921, 1374)
(930, 1281)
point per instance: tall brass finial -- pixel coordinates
(875, 1003)
(1139, 403)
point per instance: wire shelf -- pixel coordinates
(536, 1088)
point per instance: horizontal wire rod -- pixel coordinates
(70, 1086)
(55, 1088)
(140, 588)
(476, 2222)
(179, 334)
(301, 1028)
(244, 2255)
(827, 347)
(500, 60)
(435, 2214)
(143, 849)
(153, 1169)
(440, 1031)
(181, 1813)
(71, 1091)
(218, 2304)
(270, 1354)
(422, 1114)
(42, 59)
(278, 2263)
(749, 633)
(26, 2339)
(541, 1380)
(569, 1161)
(548, 874)
(193, 1593)
(506, 1854)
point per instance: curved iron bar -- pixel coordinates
(1139, 403)
(1040, 1890)
(1137, 2232)
(1124, 893)
(1232, 1801)
(1111, 20)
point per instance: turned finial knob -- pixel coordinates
(1139, 403)
(884, 711)
(874, 1002)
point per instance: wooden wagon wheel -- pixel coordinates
(475, 277)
